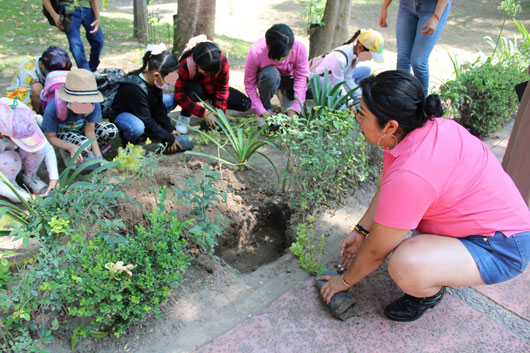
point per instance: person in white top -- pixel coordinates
(24, 147)
(341, 62)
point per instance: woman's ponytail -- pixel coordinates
(433, 106)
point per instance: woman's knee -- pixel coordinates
(406, 266)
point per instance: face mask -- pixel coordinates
(81, 108)
(364, 56)
(162, 87)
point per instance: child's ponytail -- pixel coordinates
(353, 38)
(146, 58)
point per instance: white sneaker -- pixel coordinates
(182, 124)
(34, 183)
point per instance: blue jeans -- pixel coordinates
(359, 73)
(169, 101)
(499, 258)
(413, 47)
(130, 126)
(85, 16)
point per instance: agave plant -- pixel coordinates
(238, 147)
(328, 96)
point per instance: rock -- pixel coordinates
(343, 304)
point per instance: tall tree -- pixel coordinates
(335, 29)
(194, 17)
(141, 26)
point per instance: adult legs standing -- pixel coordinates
(414, 47)
(96, 39)
(85, 16)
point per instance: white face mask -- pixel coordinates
(162, 87)
(81, 108)
(364, 56)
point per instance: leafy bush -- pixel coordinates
(199, 196)
(91, 276)
(483, 96)
(326, 155)
(304, 247)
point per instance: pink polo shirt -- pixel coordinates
(295, 65)
(442, 180)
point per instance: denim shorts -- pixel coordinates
(499, 258)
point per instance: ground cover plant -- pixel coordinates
(92, 276)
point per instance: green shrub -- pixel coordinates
(483, 98)
(92, 276)
(326, 155)
(200, 196)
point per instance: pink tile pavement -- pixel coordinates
(513, 295)
(299, 322)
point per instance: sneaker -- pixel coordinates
(34, 183)
(182, 124)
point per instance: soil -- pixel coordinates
(252, 266)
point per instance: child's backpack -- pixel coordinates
(315, 62)
(109, 81)
(54, 81)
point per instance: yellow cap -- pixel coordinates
(373, 41)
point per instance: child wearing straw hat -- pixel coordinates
(82, 122)
(24, 147)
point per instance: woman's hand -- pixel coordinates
(175, 133)
(430, 26)
(331, 288)
(349, 248)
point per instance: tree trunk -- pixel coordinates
(335, 30)
(194, 17)
(140, 30)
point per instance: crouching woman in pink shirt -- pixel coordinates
(473, 225)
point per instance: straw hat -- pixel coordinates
(80, 87)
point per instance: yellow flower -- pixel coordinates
(118, 266)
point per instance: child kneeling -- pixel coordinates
(24, 147)
(81, 120)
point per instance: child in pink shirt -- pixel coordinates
(278, 61)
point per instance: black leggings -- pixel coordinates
(236, 100)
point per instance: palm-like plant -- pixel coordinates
(238, 147)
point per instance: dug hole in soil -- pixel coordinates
(251, 266)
